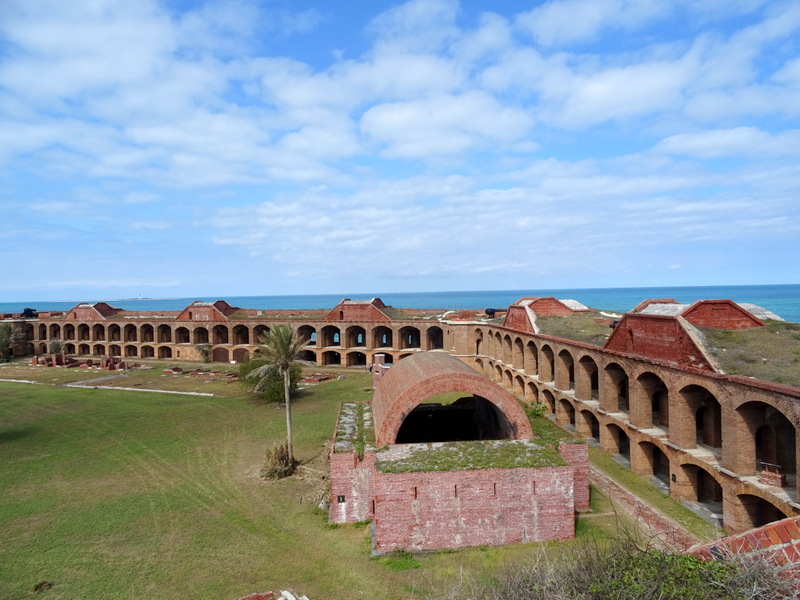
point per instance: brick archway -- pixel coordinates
(410, 382)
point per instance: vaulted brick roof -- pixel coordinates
(419, 377)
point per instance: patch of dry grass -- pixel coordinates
(588, 327)
(770, 353)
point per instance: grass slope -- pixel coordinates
(123, 495)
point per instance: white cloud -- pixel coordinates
(739, 141)
(564, 22)
(444, 125)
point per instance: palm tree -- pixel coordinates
(10, 334)
(280, 349)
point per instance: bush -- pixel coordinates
(277, 463)
(622, 570)
(273, 392)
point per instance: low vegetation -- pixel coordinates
(109, 493)
(770, 353)
(463, 456)
(590, 327)
(622, 569)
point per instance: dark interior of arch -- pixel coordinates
(468, 418)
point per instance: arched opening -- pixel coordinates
(219, 335)
(331, 336)
(83, 332)
(69, 331)
(164, 333)
(241, 335)
(656, 464)
(478, 341)
(356, 359)
(308, 334)
(98, 350)
(241, 355)
(532, 393)
(181, 335)
(507, 352)
(704, 491)
(707, 414)
(588, 425)
(98, 333)
(148, 334)
(386, 358)
(131, 351)
(409, 337)
(55, 332)
(454, 417)
(114, 350)
(69, 348)
(518, 355)
(260, 332)
(774, 443)
(83, 350)
(220, 354)
(200, 335)
(588, 385)
(620, 444)
(550, 401)
(657, 398)
(309, 355)
(565, 414)
(164, 352)
(531, 359)
(129, 333)
(760, 511)
(565, 371)
(618, 392)
(546, 363)
(42, 331)
(519, 386)
(435, 338)
(331, 358)
(382, 337)
(356, 338)
(114, 333)
(148, 352)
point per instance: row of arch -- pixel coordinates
(218, 354)
(355, 336)
(638, 414)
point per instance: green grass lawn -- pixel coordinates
(118, 494)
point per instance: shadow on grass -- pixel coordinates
(11, 435)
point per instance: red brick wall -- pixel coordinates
(550, 307)
(351, 480)
(517, 319)
(455, 509)
(202, 313)
(720, 314)
(84, 313)
(577, 455)
(356, 313)
(657, 337)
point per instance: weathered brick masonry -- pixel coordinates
(650, 396)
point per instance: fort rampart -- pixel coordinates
(651, 398)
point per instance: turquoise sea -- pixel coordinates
(783, 300)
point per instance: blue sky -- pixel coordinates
(178, 148)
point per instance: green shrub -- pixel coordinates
(273, 392)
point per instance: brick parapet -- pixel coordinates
(455, 509)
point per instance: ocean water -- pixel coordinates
(783, 300)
